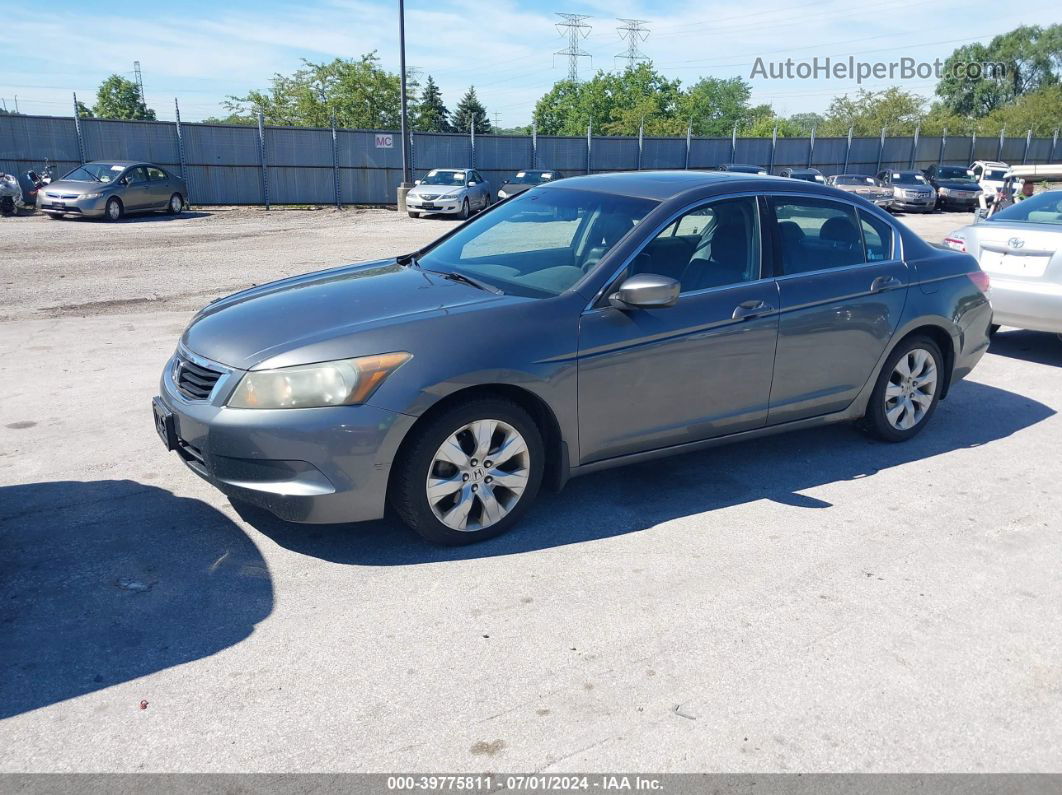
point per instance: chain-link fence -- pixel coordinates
(297, 165)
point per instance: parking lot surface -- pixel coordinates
(809, 602)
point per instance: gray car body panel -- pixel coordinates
(622, 384)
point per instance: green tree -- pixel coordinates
(1030, 58)
(83, 111)
(868, 111)
(431, 115)
(471, 113)
(804, 123)
(558, 109)
(357, 92)
(1039, 111)
(232, 118)
(715, 105)
(118, 98)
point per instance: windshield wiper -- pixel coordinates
(454, 276)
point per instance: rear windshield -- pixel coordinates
(1043, 208)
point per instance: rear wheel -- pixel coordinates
(176, 204)
(464, 209)
(470, 473)
(907, 391)
(114, 210)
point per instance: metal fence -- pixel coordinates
(298, 165)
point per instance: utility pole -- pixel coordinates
(16, 103)
(576, 27)
(139, 81)
(497, 121)
(633, 31)
(403, 189)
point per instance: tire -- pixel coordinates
(464, 210)
(882, 420)
(451, 435)
(7, 206)
(993, 329)
(114, 209)
(413, 214)
(55, 216)
(175, 205)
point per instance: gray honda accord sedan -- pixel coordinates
(594, 322)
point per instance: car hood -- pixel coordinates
(75, 186)
(325, 315)
(958, 184)
(436, 190)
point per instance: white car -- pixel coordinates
(989, 175)
(450, 191)
(1020, 248)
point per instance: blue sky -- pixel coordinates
(201, 51)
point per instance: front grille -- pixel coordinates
(429, 196)
(61, 195)
(193, 381)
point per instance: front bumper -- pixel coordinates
(317, 465)
(1036, 306)
(965, 202)
(442, 206)
(90, 208)
(926, 205)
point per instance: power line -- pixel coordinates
(633, 31)
(577, 28)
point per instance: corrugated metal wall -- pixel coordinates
(224, 164)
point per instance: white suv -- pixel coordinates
(989, 175)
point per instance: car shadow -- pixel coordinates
(102, 582)
(145, 217)
(1038, 347)
(634, 498)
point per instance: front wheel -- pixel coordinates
(907, 391)
(413, 214)
(114, 210)
(470, 473)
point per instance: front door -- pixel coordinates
(653, 378)
(842, 289)
(137, 193)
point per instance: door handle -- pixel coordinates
(751, 309)
(885, 283)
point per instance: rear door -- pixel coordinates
(842, 288)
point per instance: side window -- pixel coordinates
(877, 238)
(136, 175)
(156, 174)
(712, 246)
(817, 234)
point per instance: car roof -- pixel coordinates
(664, 185)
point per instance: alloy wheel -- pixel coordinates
(911, 389)
(478, 475)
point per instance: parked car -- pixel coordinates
(110, 189)
(989, 175)
(955, 186)
(911, 191)
(1020, 248)
(526, 179)
(742, 168)
(449, 191)
(863, 185)
(593, 322)
(806, 174)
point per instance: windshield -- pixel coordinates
(541, 242)
(908, 178)
(444, 178)
(955, 172)
(1043, 208)
(531, 177)
(995, 173)
(854, 180)
(96, 172)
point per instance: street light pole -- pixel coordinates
(403, 189)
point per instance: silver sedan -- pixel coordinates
(110, 189)
(1021, 250)
(451, 191)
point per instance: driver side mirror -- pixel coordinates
(416, 182)
(646, 291)
(470, 183)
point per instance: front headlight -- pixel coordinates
(345, 382)
(943, 191)
(90, 195)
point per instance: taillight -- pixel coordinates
(956, 243)
(980, 278)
